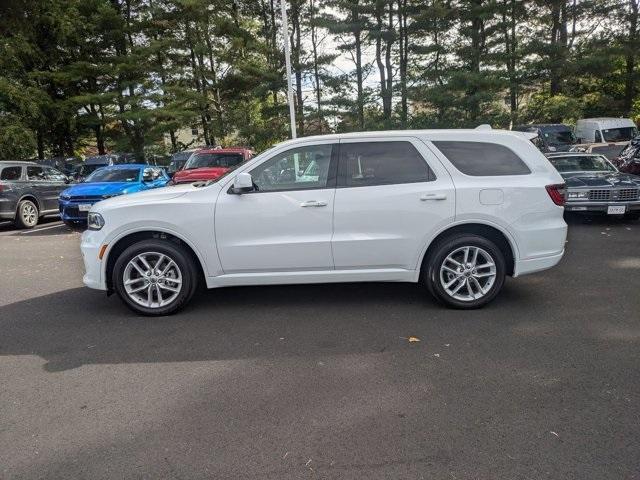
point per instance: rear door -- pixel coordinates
(391, 196)
(40, 187)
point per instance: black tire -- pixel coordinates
(432, 276)
(27, 214)
(172, 250)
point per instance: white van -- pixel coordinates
(605, 130)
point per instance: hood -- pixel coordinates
(101, 188)
(604, 180)
(153, 195)
(204, 173)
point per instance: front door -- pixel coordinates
(391, 195)
(286, 223)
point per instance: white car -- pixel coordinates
(457, 210)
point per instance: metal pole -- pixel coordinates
(287, 57)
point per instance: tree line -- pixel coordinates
(121, 74)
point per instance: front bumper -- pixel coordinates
(600, 207)
(90, 248)
(70, 210)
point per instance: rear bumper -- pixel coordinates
(533, 265)
(8, 208)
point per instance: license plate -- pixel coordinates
(85, 207)
(616, 210)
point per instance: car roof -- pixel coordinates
(573, 154)
(542, 125)
(604, 119)
(223, 150)
(122, 166)
(15, 163)
(463, 134)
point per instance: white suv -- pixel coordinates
(457, 210)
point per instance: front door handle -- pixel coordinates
(433, 196)
(313, 203)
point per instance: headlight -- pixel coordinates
(64, 197)
(95, 221)
(578, 195)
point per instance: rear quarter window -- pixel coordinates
(11, 173)
(482, 159)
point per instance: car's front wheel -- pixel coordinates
(155, 277)
(466, 271)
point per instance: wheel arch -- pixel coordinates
(491, 232)
(126, 240)
(31, 197)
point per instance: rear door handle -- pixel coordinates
(313, 203)
(433, 196)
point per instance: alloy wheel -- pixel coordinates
(468, 273)
(152, 279)
(29, 214)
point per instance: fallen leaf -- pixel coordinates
(413, 339)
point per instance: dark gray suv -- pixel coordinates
(29, 191)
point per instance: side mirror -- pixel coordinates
(243, 183)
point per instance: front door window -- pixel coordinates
(300, 168)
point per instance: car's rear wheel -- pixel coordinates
(27, 214)
(155, 277)
(465, 271)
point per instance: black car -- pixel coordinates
(65, 165)
(594, 185)
(178, 161)
(629, 159)
(552, 137)
(29, 191)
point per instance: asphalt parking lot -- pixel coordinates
(322, 381)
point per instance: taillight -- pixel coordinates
(557, 193)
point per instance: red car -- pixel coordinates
(211, 163)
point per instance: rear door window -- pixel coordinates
(11, 173)
(482, 159)
(382, 163)
(35, 173)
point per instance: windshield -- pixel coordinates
(619, 134)
(114, 175)
(559, 137)
(225, 160)
(580, 163)
(85, 170)
(180, 156)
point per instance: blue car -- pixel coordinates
(106, 182)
